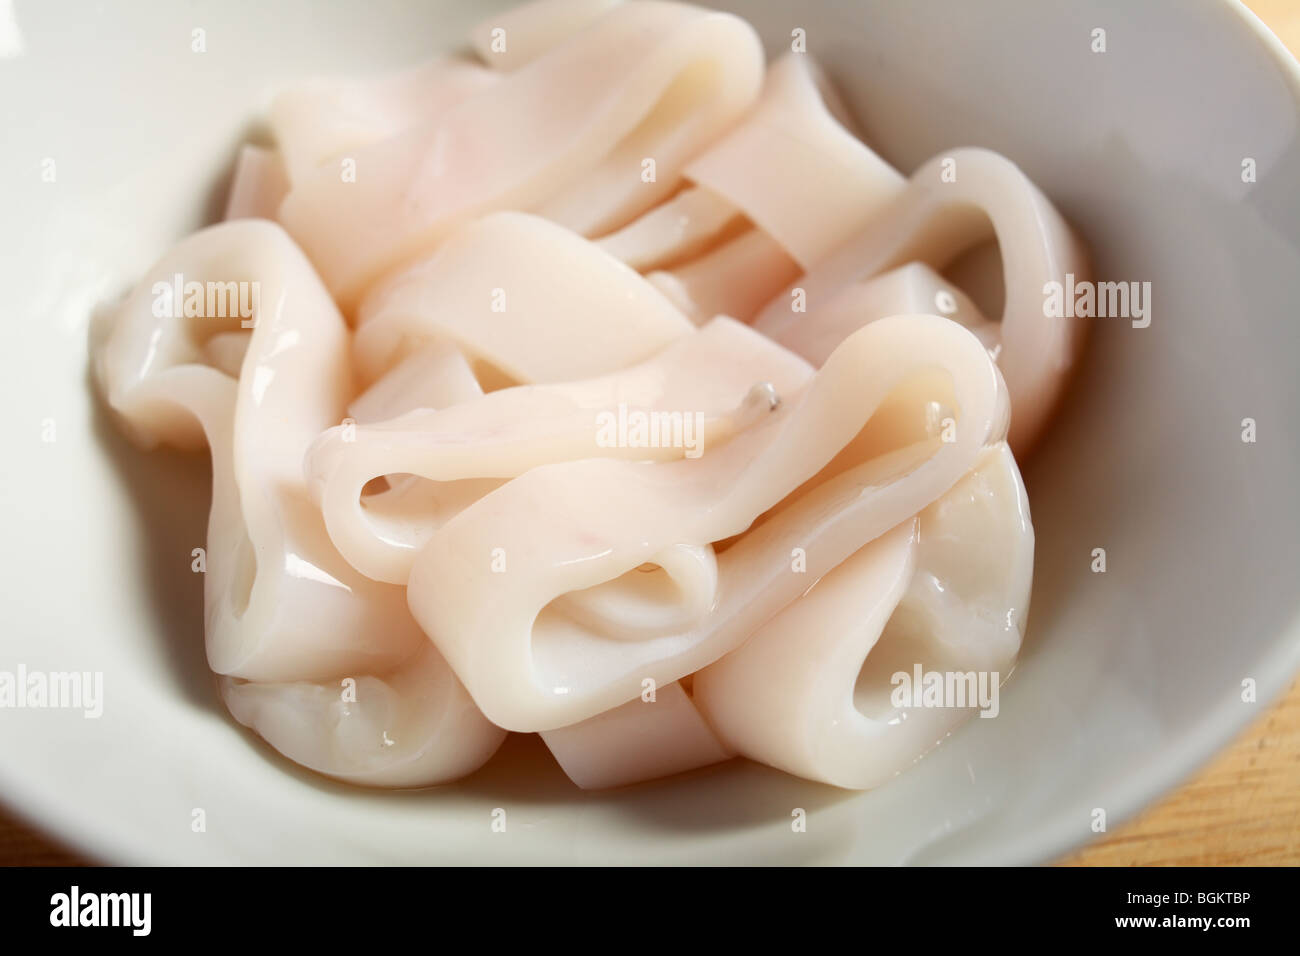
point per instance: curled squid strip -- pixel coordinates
(793, 168)
(282, 608)
(412, 727)
(564, 135)
(532, 665)
(946, 592)
(603, 384)
(325, 120)
(281, 602)
(676, 229)
(735, 279)
(794, 137)
(471, 447)
(932, 221)
(530, 298)
(521, 34)
(409, 507)
(914, 287)
(435, 375)
(640, 740)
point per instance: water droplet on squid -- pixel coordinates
(761, 398)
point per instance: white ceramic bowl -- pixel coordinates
(1129, 679)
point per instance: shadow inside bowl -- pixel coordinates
(169, 491)
(1145, 458)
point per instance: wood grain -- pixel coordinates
(1244, 808)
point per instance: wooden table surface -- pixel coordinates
(1244, 808)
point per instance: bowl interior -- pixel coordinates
(1128, 678)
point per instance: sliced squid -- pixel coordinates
(736, 279)
(793, 168)
(567, 135)
(676, 229)
(324, 119)
(944, 593)
(434, 375)
(412, 727)
(534, 301)
(517, 36)
(711, 373)
(283, 610)
(936, 218)
(327, 120)
(281, 603)
(668, 427)
(914, 287)
(568, 527)
(655, 735)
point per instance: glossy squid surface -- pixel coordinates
(602, 383)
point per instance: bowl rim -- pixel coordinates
(1052, 837)
(1221, 725)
